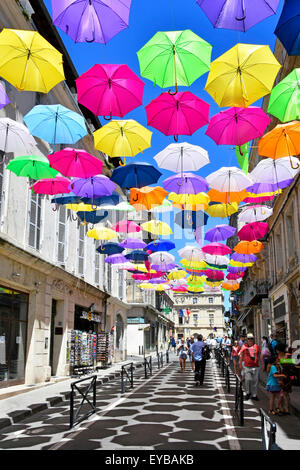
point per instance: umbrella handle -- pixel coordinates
(74, 218)
(137, 198)
(55, 208)
(121, 163)
(176, 138)
(108, 118)
(172, 93)
(101, 247)
(294, 167)
(241, 19)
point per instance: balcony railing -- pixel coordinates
(254, 292)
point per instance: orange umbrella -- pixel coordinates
(147, 197)
(248, 248)
(282, 141)
(226, 198)
(228, 286)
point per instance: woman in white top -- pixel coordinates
(182, 350)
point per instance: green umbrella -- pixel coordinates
(174, 58)
(285, 98)
(33, 166)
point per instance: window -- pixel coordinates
(180, 321)
(290, 236)
(35, 220)
(210, 300)
(278, 252)
(109, 279)
(61, 234)
(195, 317)
(97, 265)
(121, 283)
(195, 300)
(81, 247)
(1, 180)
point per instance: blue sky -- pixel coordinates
(146, 18)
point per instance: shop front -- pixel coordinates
(13, 336)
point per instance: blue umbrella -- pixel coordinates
(161, 245)
(110, 248)
(135, 175)
(56, 124)
(93, 217)
(191, 219)
(288, 28)
(112, 200)
(70, 198)
(137, 255)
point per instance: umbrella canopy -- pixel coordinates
(133, 244)
(110, 90)
(179, 289)
(102, 233)
(166, 206)
(190, 202)
(216, 249)
(274, 171)
(71, 198)
(35, 167)
(147, 197)
(195, 289)
(255, 214)
(76, 163)
(137, 255)
(93, 187)
(191, 219)
(185, 183)
(135, 175)
(265, 189)
(239, 15)
(163, 266)
(248, 248)
(177, 274)
(92, 217)
(161, 245)
(110, 248)
(237, 270)
(282, 141)
(146, 276)
(222, 210)
(219, 233)
(257, 198)
(215, 275)
(180, 114)
(126, 226)
(227, 197)
(56, 124)
(236, 126)
(253, 231)
(4, 100)
(234, 276)
(191, 253)
(52, 186)
(156, 227)
(116, 259)
(81, 207)
(29, 62)
(285, 98)
(216, 260)
(93, 21)
(229, 179)
(103, 201)
(124, 138)
(174, 58)
(240, 258)
(288, 27)
(231, 285)
(242, 75)
(182, 157)
(15, 137)
(161, 257)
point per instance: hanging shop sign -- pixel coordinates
(90, 316)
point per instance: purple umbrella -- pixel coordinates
(259, 188)
(185, 183)
(163, 267)
(133, 244)
(157, 281)
(235, 270)
(243, 258)
(116, 259)
(93, 187)
(93, 20)
(239, 15)
(219, 233)
(4, 100)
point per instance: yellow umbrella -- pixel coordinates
(193, 264)
(196, 280)
(142, 268)
(222, 210)
(237, 264)
(241, 76)
(146, 285)
(156, 227)
(29, 62)
(195, 288)
(124, 138)
(80, 207)
(102, 233)
(213, 283)
(162, 287)
(198, 201)
(179, 274)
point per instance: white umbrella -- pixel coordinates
(251, 214)
(229, 179)
(216, 259)
(182, 157)
(166, 206)
(15, 137)
(191, 253)
(161, 258)
(274, 171)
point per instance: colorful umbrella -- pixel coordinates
(241, 258)
(146, 277)
(237, 270)
(124, 138)
(163, 267)
(239, 15)
(56, 124)
(255, 214)
(92, 21)
(166, 206)
(77, 163)
(57, 185)
(266, 189)
(156, 227)
(221, 210)
(92, 217)
(161, 245)
(235, 277)
(179, 289)
(215, 275)
(147, 197)
(185, 183)
(282, 141)
(137, 255)
(257, 198)
(29, 62)
(288, 27)
(110, 248)
(180, 114)
(216, 249)
(102, 233)
(192, 202)
(195, 289)
(15, 137)
(81, 207)
(229, 179)
(161, 258)
(236, 126)
(116, 259)
(182, 157)
(176, 275)
(242, 75)
(191, 219)
(274, 171)
(231, 285)
(174, 58)
(93, 187)
(135, 175)
(238, 264)
(133, 244)
(253, 231)
(126, 226)
(227, 197)
(35, 167)
(4, 100)
(248, 248)
(219, 233)
(191, 253)
(216, 260)
(284, 100)
(110, 90)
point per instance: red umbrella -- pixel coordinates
(216, 249)
(76, 163)
(126, 226)
(179, 114)
(235, 276)
(253, 231)
(52, 186)
(216, 275)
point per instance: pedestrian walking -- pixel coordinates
(173, 344)
(273, 342)
(266, 352)
(288, 372)
(242, 340)
(226, 346)
(250, 355)
(200, 361)
(170, 343)
(192, 340)
(182, 351)
(235, 356)
(273, 386)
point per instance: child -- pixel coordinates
(273, 386)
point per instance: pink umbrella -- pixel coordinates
(258, 200)
(179, 289)
(74, 162)
(215, 274)
(110, 90)
(179, 114)
(235, 276)
(52, 186)
(253, 231)
(236, 126)
(216, 249)
(126, 226)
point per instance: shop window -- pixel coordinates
(61, 234)
(35, 220)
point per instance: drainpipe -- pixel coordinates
(106, 297)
